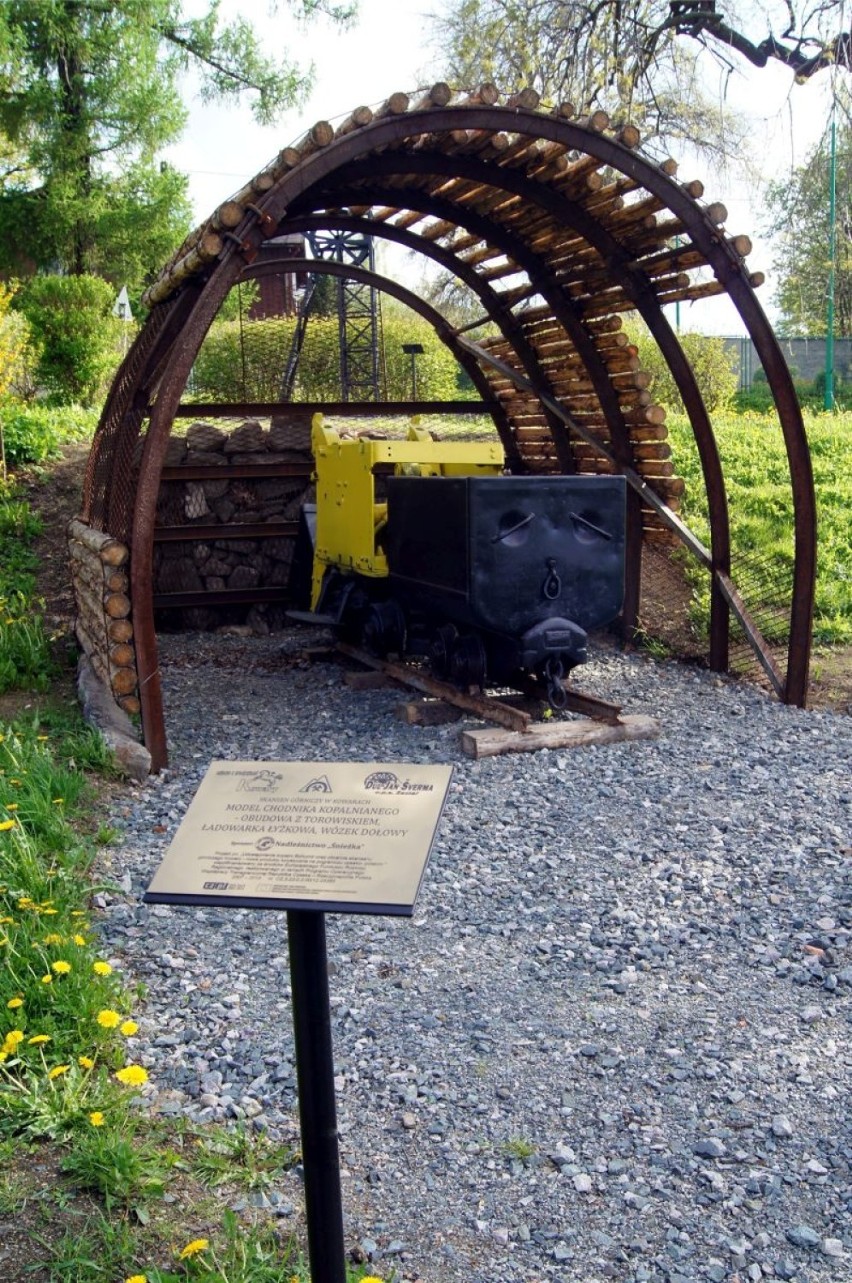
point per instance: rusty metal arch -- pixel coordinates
(509, 186)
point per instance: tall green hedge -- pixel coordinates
(247, 361)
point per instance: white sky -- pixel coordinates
(388, 49)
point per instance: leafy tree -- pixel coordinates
(799, 209)
(618, 55)
(88, 97)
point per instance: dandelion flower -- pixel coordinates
(58, 1070)
(371, 1278)
(102, 968)
(14, 1038)
(61, 967)
(47, 912)
(108, 1019)
(96, 1118)
(42, 738)
(80, 940)
(137, 1278)
(129, 1028)
(192, 1249)
(38, 1040)
(13, 1003)
(6, 824)
(47, 980)
(132, 1076)
(58, 801)
(12, 806)
(86, 1062)
(53, 937)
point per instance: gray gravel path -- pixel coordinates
(614, 1041)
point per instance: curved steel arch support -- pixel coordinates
(719, 255)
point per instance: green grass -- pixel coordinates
(24, 646)
(757, 480)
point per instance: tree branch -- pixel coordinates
(805, 55)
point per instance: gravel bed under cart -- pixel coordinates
(613, 1042)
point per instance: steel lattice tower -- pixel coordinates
(357, 313)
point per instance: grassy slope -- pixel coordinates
(758, 484)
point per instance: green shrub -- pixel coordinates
(77, 338)
(33, 433)
(712, 363)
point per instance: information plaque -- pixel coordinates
(341, 837)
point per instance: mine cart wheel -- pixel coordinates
(383, 631)
(355, 606)
(467, 662)
(441, 649)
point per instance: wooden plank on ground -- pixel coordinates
(370, 681)
(558, 734)
(480, 705)
(427, 712)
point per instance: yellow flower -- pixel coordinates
(12, 806)
(4, 920)
(15, 1002)
(58, 801)
(108, 1019)
(137, 1278)
(132, 1075)
(61, 967)
(47, 980)
(38, 1039)
(192, 1249)
(78, 913)
(371, 1278)
(42, 738)
(53, 938)
(129, 1028)
(47, 912)
(86, 1062)
(96, 1118)
(58, 1070)
(6, 824)
(102, 968)
(80, 940)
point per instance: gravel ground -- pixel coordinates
(613, 1042)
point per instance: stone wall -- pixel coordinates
(214, 564)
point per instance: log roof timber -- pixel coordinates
(559, 226)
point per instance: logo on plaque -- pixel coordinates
(384, 780)
(260, 782)
(319, 784)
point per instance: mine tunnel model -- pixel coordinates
(559, 226)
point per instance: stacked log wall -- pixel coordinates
(221, 564)
(100, 576)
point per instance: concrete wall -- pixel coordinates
(805, 357)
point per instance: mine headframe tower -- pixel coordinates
(357, 316)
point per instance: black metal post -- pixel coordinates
(317, 1112)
